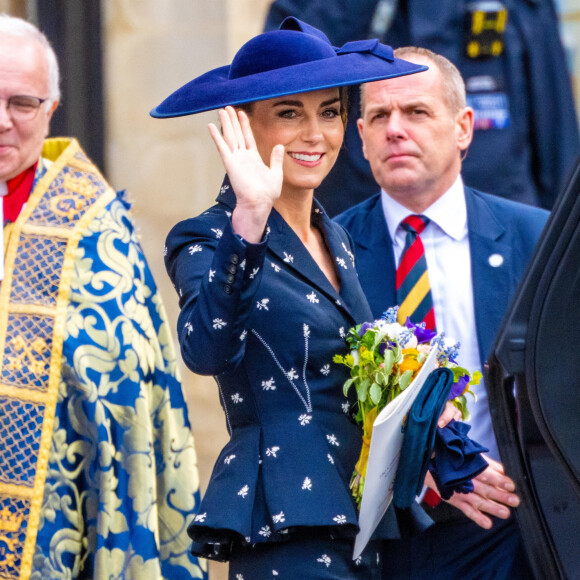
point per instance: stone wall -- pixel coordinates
(170, 167)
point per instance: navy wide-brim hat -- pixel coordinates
(295, 59)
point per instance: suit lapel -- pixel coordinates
(492, 267)
(288, 248)
(374, 257)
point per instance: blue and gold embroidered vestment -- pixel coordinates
(97, 465)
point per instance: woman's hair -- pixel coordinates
(13, 26)
(248, 108)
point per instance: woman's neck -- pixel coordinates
(296, 209)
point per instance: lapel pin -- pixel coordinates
(495, 260)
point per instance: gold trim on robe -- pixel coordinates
(39, 263)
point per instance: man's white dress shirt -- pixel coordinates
(448, 258)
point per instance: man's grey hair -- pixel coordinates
(453, 85)
(14, 26)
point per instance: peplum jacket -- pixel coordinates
(266, 322)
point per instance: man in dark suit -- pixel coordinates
(519, 94)
(415, 131)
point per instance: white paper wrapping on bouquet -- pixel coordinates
(385, 449)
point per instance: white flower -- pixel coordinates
(325, 370)
(307, 484)
(345, 407)
(304, 419)
(254, 273)
(165, 250)
(223, 189)
(194, 249)
(306, 330)
(243, 335)
(341, 519)
(279, 518)
(244, 491)
(292, 374)
(271, 451)
(330, 458)
(312, 297)
(265, 531)
(263, 304)
(324, 559)
(243, 264)
(228, 459)
(288, 258)
(358, 561)
(341, 332)
(239, 577)
(274, 572)
(275, 266)
(393, 329)
(189, 327)
(218, 233)
(338, 302)
(200, 517)
(341, 262)
(269, 385)
(236, 398)
(333, 440)
(211, 275)
(229, 214)
(218, 323)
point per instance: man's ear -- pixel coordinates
(49, 114)
(464, 123)
(360, 125)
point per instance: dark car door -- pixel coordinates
(537, 358)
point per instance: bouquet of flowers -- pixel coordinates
(384, 359)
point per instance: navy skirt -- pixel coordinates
(308, 555)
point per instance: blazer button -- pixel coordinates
(230, 278)
(232, 268)
(228, 289)
(234, 259)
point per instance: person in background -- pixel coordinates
(98, 475)
(511, 57)
(474, 248)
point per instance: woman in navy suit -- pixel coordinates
(268, 290)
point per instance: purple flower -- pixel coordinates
(423, 334)
(458, 388)
(364, 327)
(386, 345)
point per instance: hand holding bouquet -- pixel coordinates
(385, 357)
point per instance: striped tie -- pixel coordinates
(412, 280)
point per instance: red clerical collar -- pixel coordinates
(19, 189)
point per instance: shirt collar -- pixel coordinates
(449, 212)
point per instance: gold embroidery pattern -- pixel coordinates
(33, 302)
(27, 351)
(20, 422)
(12, 533)
(72, 192)
(36, 272)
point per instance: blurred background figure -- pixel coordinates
(511, 57)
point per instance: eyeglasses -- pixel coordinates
(23, 107)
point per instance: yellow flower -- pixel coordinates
(410, 362)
